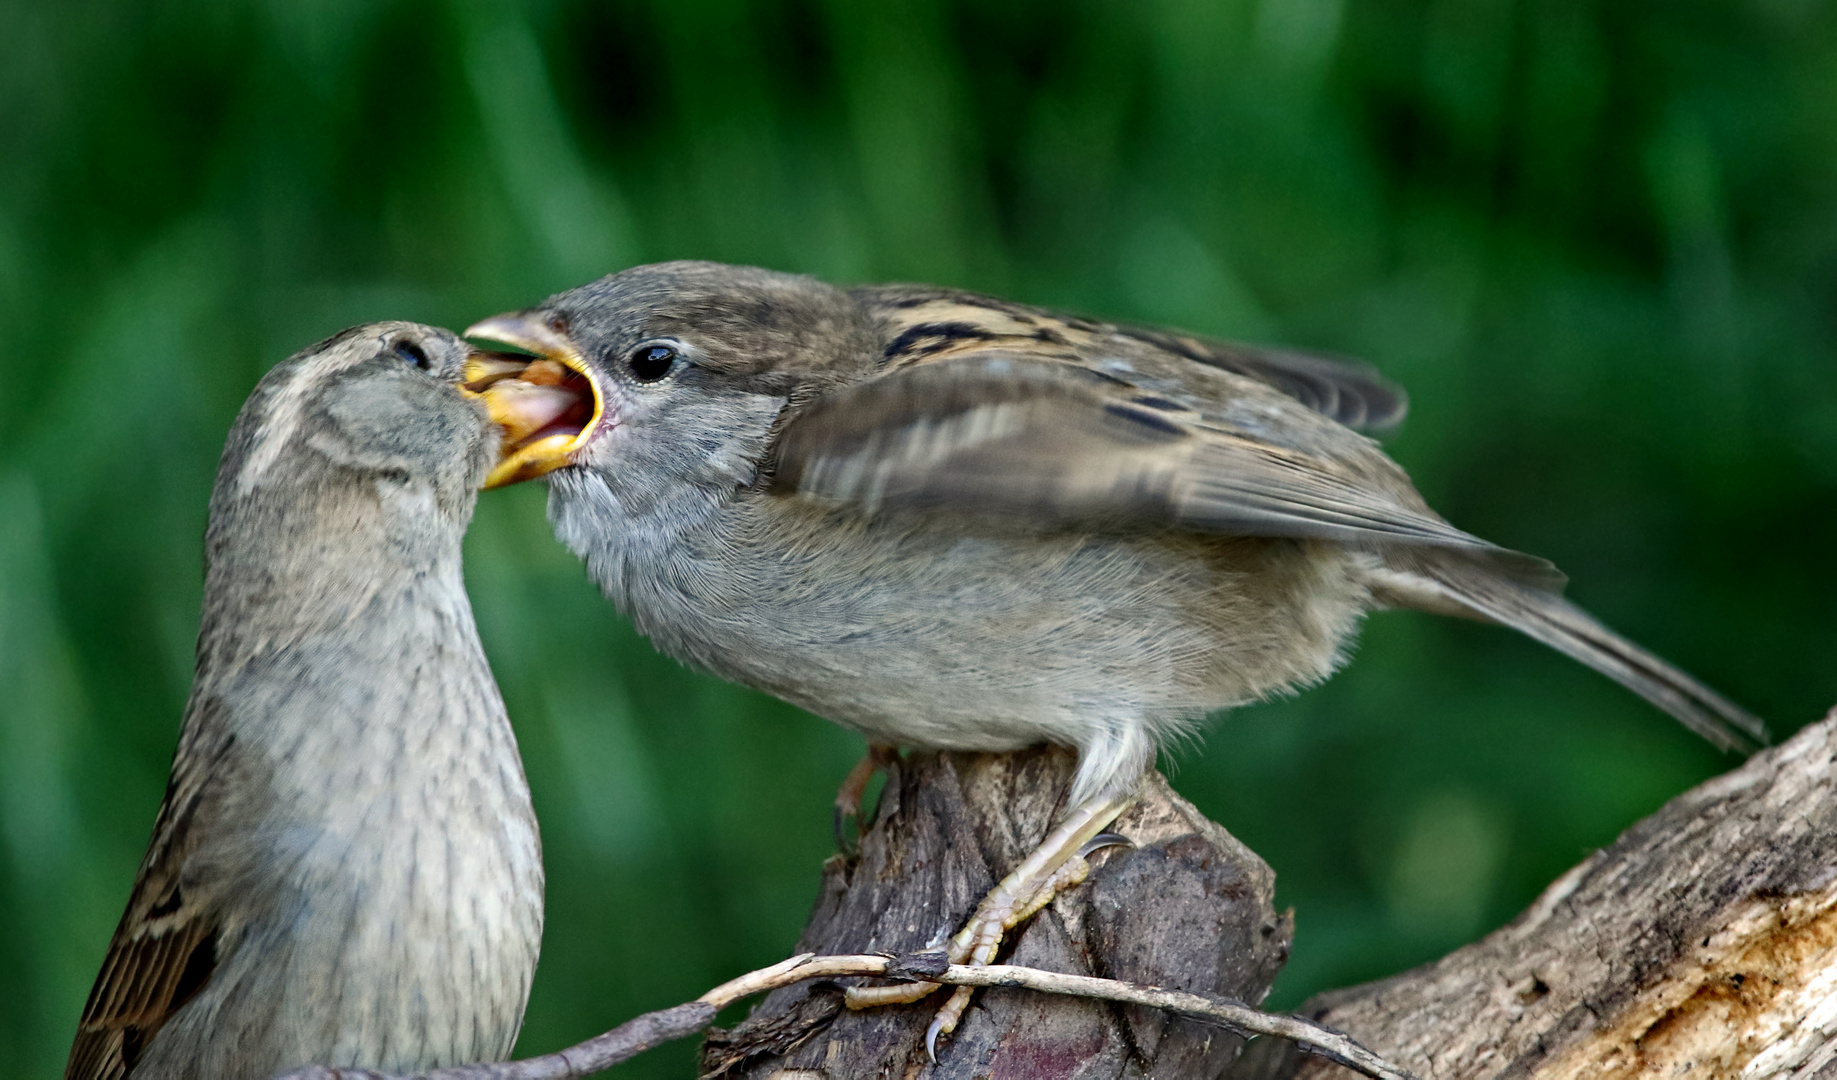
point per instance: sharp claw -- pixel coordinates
(947, 1019)
(843, 843)
(1104, 840)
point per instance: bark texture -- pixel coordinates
(1702, 943)
(1187, 907)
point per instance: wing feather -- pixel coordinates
(165, 947)
(1063, 446)
(1345, 391)
(926, 325)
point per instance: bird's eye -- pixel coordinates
(649, 363)
(413, 354)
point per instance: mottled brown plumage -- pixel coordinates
(956, 522)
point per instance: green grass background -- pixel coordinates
(1596, 239)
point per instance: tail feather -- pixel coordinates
(1449, 583)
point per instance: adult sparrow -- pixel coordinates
(345, 869)
(951, 521)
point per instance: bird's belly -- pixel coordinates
(991, 643)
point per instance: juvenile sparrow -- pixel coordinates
(951, 521)
(345, 869)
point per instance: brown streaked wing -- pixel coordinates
(164, 950)
(1064, 446)
(927, 325)
(1346, 391)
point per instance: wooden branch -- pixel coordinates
(1187, 908)
(1307, 1038)
(599, 1053)
(929, 967)
(1702, 943)
(653, 1029)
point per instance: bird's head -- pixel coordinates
(385, 399)
(354, 464)
(688, 366)
(382, 406)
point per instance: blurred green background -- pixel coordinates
(1596, 239)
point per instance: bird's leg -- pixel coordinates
(1057, 864)
(879, 757)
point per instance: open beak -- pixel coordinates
(547, 405)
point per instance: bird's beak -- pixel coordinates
(548, 405)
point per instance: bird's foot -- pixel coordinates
(1058, 864)
(879, 757)
(997, 915)
(976, 944)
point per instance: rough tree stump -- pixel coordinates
(1187, 907)
(1701, 944)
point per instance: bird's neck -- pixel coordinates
(643, 549)
(652, 511)
(334, 627)
(324, 569)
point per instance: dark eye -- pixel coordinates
(649, 363)
(412, 354)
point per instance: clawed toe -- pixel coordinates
(1058, 864)
(946, 1020)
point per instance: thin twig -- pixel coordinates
(656, 1028)
(597, 1054)
(1242, 1019)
